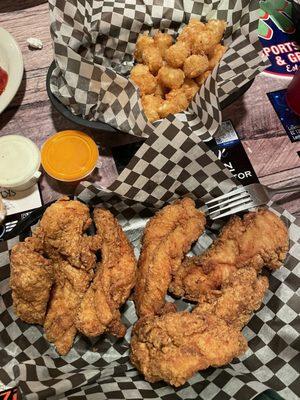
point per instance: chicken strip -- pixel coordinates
(31, 280)
(168, 236)
(71, 285)
(241, 294)
(62, 227)
(174, 346)
(114, 279)
(259, 239)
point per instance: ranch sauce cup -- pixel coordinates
(20, 161)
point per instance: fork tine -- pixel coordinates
(230, 200)
(227, 195)
(232, 204)
(235, 210)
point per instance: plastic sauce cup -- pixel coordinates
(69, 156)
(20, 161)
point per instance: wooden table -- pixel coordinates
(272, 155)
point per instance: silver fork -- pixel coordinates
(243, 198)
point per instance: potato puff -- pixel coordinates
(162, 41)
(176, 101)
(195, 65)
(151, 104)
(202, 78)
(190, 88)
(203, 42)
(194, 26)
(215, 55)
(177, 54)
(171, 78)
(151, 56)
(143, 78)
(142, 43)
(160, 90)
(217, 27)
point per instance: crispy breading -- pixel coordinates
(168, 236)
(114, 279)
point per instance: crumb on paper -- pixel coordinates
(35, 43)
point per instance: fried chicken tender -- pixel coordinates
(215, 55)
(151, 105)
(70, 286)
(152, 58)
(142, 77)
(62, 227)
(114, 279)
(176, 101)
(241, 294)
(190, 88)
(142, 43)
(174, 346)
(195, 65)
(168, 236)
(163, 41)
(171, 78)
(30, 280)
(177, 54)
(202, 78)
(259, 239)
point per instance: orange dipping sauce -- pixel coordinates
(69, 156)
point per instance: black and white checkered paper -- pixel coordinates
(94, 43)
(100, 369)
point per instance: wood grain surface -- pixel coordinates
(271, 152)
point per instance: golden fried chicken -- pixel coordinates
(171, 78)
(168, 236)
(177, 54)
(70, 286)
(163, 41)
(142, 77)
(30, 280)
(62, 229)
(259, 239)
(174, 346)
(114, 279)
(240, 295)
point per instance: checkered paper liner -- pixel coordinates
(94, 42)
(100, 369)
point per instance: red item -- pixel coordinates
(3, 80)
(293, 94)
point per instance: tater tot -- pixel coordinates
(215, 55)
(176, 101)
(151, 104)
(217, 27)
(195, 65)
(152, 57)
(203, 42)
(142, 42)
(194, 26)
(171, 78)
(142, 77)
(160, 90)
(163, 41)
(176, 54)
(202, 78)
(190, 88)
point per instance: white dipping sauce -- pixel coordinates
(19, 162)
